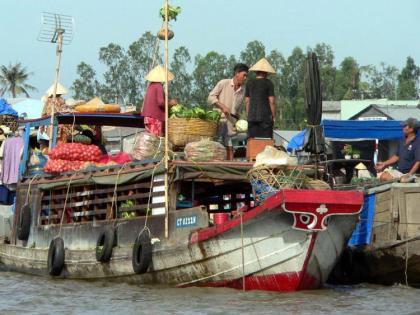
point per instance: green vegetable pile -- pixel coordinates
(128, 214)
(181, 111)
(172, 12)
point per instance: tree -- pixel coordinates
(382, 82)
(292, 84)
(86, 86)
(276, 59)
(116, 76)
(143, 55)
(408, 80)
(13, 80)
(253, 52)
(348, 78)
(181, 86)
(208, 71)
(327, 71)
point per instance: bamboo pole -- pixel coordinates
(57, 73)
(166, 119)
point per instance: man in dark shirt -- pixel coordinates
(408, 153)
(260, 102)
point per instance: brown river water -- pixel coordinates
(24, 294)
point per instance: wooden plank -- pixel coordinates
(402, 228)
(75, 214)
(412, 200)
(101, 200)
(385, 216)
(142, 207)
(383, 196)
(381, 232)
(383, 206)
(102, 191)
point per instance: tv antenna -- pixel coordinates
(57, 29)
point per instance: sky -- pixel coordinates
(370, 31)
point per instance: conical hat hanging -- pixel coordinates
(60, 90)
(158, 74)
(262, 65)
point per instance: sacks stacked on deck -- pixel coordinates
(71, 157)
(204, 151)
(148, 146)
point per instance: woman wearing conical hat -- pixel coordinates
(260, 102)
(154, 101)
(59, 106)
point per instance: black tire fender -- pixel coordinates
(142, 253)
(56, 257)
(105, 244)
(24, 223)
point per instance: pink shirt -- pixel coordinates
(154, 102)
(11, 159)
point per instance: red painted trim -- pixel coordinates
(288, 281)
(323, 196)
(302, 196)
(207, 233)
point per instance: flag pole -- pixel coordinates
(166, 119)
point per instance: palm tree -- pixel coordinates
(13, 78)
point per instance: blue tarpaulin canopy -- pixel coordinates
(296, 143)
(6, 109)
(354, 130)
(362, 129)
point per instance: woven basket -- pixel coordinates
(266, 181)
(9, 121)
(316, 184)
(184, 130)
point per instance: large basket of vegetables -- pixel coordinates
(186, 125)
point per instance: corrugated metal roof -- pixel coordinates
(353, 107)
(328, 106)
(399, 112)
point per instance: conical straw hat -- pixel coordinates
(360, 166)
(262, 65)
(158, 74)
(60, 90)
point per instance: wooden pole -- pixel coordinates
(166, 119)
(57, 74)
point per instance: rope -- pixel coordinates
(115, 195)
(406, 263)
(72, 125)
(29, 188)
(65, 203)
(242, 251)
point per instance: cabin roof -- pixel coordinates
(97, 119)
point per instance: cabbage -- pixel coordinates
(213, 115)
(176, 110)
(172, 12)
(241, 125)
(199, 113)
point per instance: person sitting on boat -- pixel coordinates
(228, 96)
(407, 156)
(260, 102)
(154, 101)
(59, 105)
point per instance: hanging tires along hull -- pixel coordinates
(282, 251)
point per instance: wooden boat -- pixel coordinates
(71, 225)
(385, 248)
